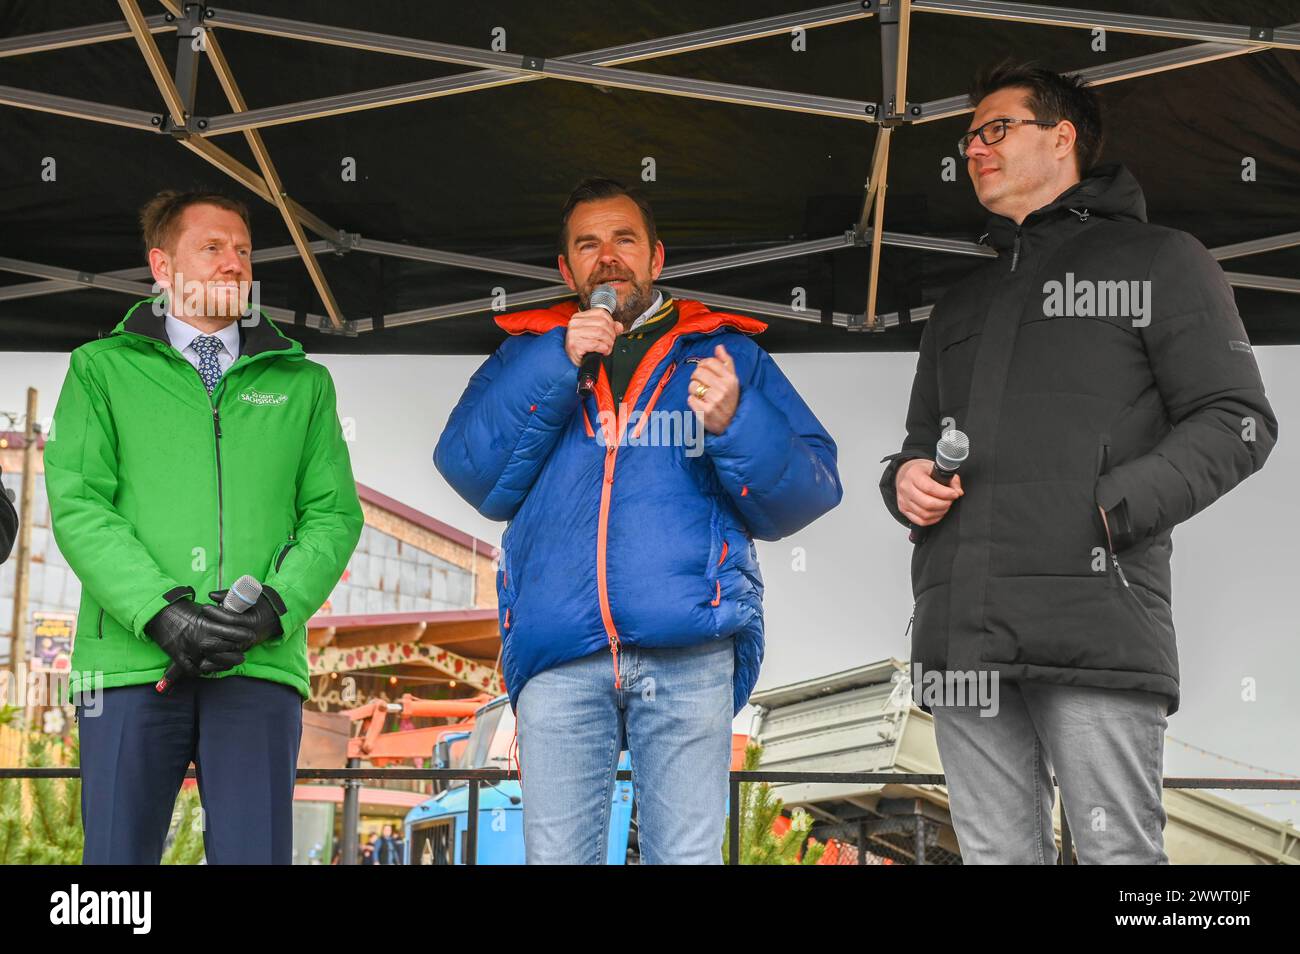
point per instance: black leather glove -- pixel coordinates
(200, 639)
(261, 617)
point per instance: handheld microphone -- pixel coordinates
(949, 454)
(606, 297)
(243, 593)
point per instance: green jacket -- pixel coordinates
(158, 491)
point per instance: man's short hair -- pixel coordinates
(602, 187)
(160, 217)
(1051, 97)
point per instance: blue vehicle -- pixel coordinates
(436, 829)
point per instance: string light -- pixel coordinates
(1231, 761)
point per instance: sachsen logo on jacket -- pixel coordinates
(253, 396)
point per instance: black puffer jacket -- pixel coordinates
(1072, 397)
(8, 525)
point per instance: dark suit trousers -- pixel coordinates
(241, 733)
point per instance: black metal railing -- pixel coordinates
(475, 778)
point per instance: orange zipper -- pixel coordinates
(605, 401)
(612, 441)
(604, 396)
(650, 405)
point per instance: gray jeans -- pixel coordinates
(1106, 747)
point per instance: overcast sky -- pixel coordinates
(1235, 566)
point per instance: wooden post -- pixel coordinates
(22, 568)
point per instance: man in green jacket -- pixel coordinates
(192, 447)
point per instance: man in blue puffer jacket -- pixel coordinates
(629, 591)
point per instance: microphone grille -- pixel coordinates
(247, 588)
(954, 447)
(605, 297)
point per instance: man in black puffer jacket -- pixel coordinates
(8, 525)
(1109, 391)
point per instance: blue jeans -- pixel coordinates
(673, 714)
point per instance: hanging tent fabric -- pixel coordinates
(405, 162)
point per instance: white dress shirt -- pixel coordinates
(659, 300)
(182, 336)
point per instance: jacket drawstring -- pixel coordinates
(512, 754)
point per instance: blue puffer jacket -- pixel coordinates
(643, 541)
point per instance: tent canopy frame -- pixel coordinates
(196, 27)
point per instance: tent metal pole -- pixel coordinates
(876, 197)
(1255, 246)
(435, 256)
(1105, 73)
(274, 184)
(188, 27)
(624, 53)
(1264, 282)
(758, 256)
(107, 282)
(1280, 37)
(55, 286)
(547, 274)
(272, 192)
(471, 56)
(542, 67)
(417, 316)
(488, 79)
(153, 59)
(456, 260)
(901, 48)
(80, 109)
(812, 316)
(77, 36)
(895, 31)
(255, 183)
(104, 282)
(556, 292)
(718, 263)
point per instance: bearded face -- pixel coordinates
(608, 242)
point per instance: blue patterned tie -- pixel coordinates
(208, 347)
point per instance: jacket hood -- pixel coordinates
(1109, 190)
(253, 338)
(692, 317)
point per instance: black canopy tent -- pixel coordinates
(405, 162)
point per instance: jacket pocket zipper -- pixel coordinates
(512, 599)
(722, 556)
(1103, 449)
(101, 623)
(1104, 455)
(284, 552)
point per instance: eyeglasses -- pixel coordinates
(995, 130)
